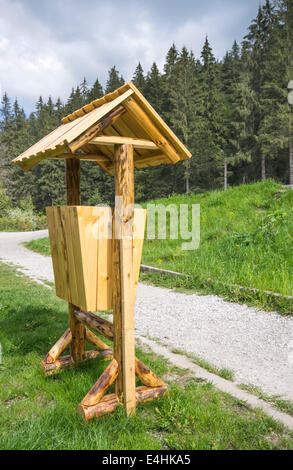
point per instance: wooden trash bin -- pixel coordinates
(81, 248)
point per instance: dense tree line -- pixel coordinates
(232, 114)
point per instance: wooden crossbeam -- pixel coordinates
(94, 157)
(107, 405)
(98, 324)
(113, 140)
(110, 402)
(96, 128)
(65, 362)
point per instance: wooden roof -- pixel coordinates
(123, 116)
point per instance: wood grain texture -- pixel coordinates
(95, 340)
(91, 157)
(96, 129)
(59, 347)
(113, 140)
(146, 376)
(66, 361)
(81, 249)
(123, 290)
(98, 324)
(101, 386)
(143, 122)
(145, 394)
(77, 344)
(107, 405)
(58, 140)
(158, 138)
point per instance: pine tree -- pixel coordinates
(6, 113)
(233, 112)
(209, 140)
(139, 78)
(259, 43)
(114, 80)
(96, 91)
(154, 88)
(84, 91)
(182, 113)
(285, 16)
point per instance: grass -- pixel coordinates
(41, 245)
(283, 405)
(246, 240)
(224, 372)
(40, 413)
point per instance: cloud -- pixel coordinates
(48, 47)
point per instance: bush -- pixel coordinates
(5, 203)
(19, 219)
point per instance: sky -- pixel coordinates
(48, 46)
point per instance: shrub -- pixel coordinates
(5, 203)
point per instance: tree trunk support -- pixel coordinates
(77, 347)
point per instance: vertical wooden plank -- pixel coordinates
(77, 346)
(117, 311)
(104, 261)
(123, 298)
(137, 243)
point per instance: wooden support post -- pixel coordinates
(77, 345)
(123, 285)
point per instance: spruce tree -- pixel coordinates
(139, 78)
(96, 91)
(114, 80)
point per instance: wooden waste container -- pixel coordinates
(81, 248)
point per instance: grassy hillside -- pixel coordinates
(246, 239)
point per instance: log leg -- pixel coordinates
(66, 362)
(95, 341)
(107, 405)
(146, 376)
(59, 347)
(101, 386)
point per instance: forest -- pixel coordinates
(232, 114)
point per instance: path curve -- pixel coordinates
(256, 345)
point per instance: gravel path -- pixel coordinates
(256, 345)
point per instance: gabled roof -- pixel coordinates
(118, 117)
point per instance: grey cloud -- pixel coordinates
(46, 47)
